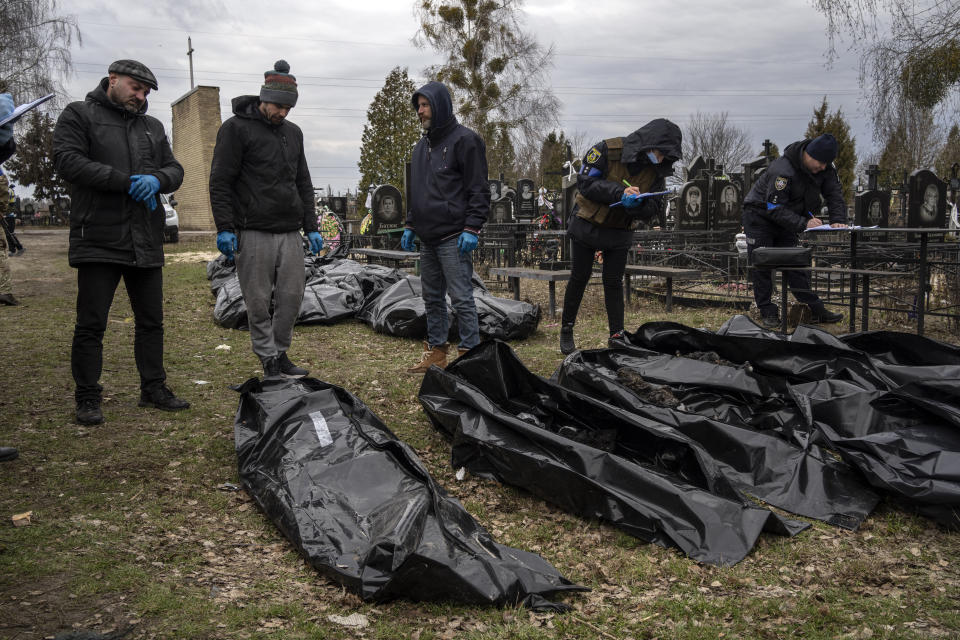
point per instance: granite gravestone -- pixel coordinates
(727, 205)
(696, 167)
(337, 204)
(526, 204)
(496, 190)
(927, 201)
(691, 211)
(501, 210)
(387, 207)
(872, 209)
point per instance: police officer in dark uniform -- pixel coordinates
(780, 206)
(610, 205)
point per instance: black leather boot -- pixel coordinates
(567, 345)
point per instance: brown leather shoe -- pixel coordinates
(431, 356)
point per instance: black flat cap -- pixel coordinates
(136, 70)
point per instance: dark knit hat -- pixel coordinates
(136, 70)
(279, 87)
(823, 148)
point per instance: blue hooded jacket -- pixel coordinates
(448, 174)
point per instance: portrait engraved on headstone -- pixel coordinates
(388, 206)
(691, 213)
(526, 199)
(872, 209)
(501, 211)
(927, 200)
(727, 206)
(496, 189)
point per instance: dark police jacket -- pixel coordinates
(97, 146)
(786, 192)
(610, 162)
(259, 177)
(448, 183)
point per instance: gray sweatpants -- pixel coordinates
(271, 265)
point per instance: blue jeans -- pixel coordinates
(444, 270)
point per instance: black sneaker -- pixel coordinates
(88, 411)
(770, 322)
(567, 346)
(288, 369)
(825, 317)
(162, 398)
(615, 340)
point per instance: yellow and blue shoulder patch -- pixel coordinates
(593, 155)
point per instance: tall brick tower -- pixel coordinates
(196, 120)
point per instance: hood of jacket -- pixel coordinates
(100, 95)
(658, 134)
(248, 107)
(794, 153)
(442, 120)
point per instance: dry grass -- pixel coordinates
(130, 524)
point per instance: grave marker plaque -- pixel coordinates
(927, 201)
(496, 190)
(338, 205)
(501, 211)
(872, 209)
(526, 200)
(387, 207)
(691, 211)
(727, 205)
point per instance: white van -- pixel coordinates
(171, 224)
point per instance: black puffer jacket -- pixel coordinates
(786, 193)
(448, 185)
(97, 146)
(259, 177)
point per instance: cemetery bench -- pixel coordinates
(863, 274)
(395, 258)
(513, 274)
(659, 271)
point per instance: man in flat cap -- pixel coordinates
(261, 195)
(781, 204)
(117, 159)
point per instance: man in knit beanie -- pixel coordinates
(262, 196)
(782, 203)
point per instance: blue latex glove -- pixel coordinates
(316, 241)
(467, 242)
(143, 187)
(631, 201)
(6, 108)
(227, 243)
(408, 239)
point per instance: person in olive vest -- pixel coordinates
(611, 203)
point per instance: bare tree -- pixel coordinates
(495, 70)
(910, 51)
(35, 44)
(911, 141)
(712, 135)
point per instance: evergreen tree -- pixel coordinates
(834, 123)
(949, 154)
(553, 153)
(32, 165)
(910, 143)
(388, 138)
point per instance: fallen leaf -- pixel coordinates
(22, 519)
(355, 620)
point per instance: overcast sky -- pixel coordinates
(618, 63)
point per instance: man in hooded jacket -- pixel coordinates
(450, 201)
(117, 159)
(616, 175)
(780, 205)
(261, 195)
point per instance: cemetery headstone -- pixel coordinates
(872, 209)
(387, 207)
(501, 210)
(727, 205)
(691, 211)
(927, 201)
(526, 205)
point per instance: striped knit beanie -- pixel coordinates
(279, 87)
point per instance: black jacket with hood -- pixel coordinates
(592, 182)
(97, 146)
(786, 194)
(448, 183)
(259, 177)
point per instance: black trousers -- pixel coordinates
(614, 264)
(96, 285)
(798, 281)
